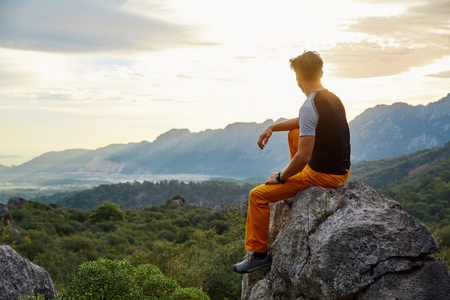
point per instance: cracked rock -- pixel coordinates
(348, 243)
(19, 277)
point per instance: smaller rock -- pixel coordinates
(17, 201)
(19, 277)
(261, 291)
(220, 208)
(249, 281)
(178, 202)
(244, 205)
(5, 215)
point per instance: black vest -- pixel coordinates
(331, 152)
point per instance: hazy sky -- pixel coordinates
(88, 73)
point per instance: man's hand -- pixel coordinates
(272, 179)
(264, 137)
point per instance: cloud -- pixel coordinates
(86, 26)
(444, 74)
(10, 79)
(22, 99)
(394, 44)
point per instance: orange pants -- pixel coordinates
(258, 217)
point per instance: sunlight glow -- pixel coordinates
(204, 64)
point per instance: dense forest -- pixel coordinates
(192, 245)
(134, 195)
(390, 172)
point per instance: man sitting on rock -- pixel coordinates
(319, 143)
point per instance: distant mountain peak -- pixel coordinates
(172, 134)
(391, 130)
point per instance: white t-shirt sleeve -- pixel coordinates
(308, 117)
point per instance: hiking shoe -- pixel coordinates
(251, 263)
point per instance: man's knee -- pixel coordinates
(255, 195)
(294, 134)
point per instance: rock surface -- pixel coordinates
(220, 208)
(348, 243)
(19, 277)
(17, 201)
(5, 215)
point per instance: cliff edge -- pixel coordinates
(348, 243)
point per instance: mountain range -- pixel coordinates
(227, 152)
(379, 132)
(391, 130)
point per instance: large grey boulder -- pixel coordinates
(348, 243)
(19, 277)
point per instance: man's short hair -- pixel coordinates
(308, 65)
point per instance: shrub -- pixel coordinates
(443, 234)
(105, 279)
(157, 286)
(189, 294)
(107, 212)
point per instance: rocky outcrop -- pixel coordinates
(348, 243)
(19, 277)
(6, 219)
(17, 201)
(5, 215)
(220, 208)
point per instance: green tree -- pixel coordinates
(106, 212)
(103, 279)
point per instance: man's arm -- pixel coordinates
(282, 126)
(298, 162)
